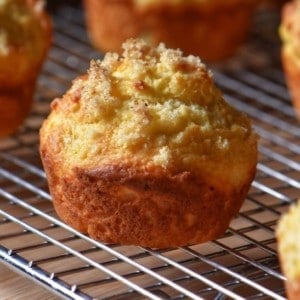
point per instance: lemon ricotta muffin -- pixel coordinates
(211, 29)
(25, 35)
(288, 237)
(290, 34)
(143, 150)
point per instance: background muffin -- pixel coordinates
(143, 150)
(290, 35)
(272, 3)
(211, 29)
(288, 236)
(25, 34)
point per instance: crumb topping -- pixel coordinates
(152, 105)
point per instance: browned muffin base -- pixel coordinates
(213, 33)
(131, 205)
(293, 290)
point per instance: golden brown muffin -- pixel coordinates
(143, 150)
(290, 53)
(288, 238)
(211, 29)
(25, 34)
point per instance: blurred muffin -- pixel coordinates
(288, 237)
(143, 150)
(290, 34)
(272, 3)
(211, 29)
(25, 34)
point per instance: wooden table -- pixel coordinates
(14, 286)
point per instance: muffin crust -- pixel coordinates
(288, 237)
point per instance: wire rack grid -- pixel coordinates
(242, 264)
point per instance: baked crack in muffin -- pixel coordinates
(143, 150)
(211, 29)
(288, 238)
(25, 37)
(290, 35)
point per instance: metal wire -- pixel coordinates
(241, 264)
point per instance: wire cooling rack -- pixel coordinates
(241, 264)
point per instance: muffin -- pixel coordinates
(288, 238)
(211, 29)
(143, 150)
(25, 34)
(290, 53)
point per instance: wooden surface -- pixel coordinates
(15, 286)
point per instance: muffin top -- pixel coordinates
(288, 232)
(24, 38)
(290, 28)
(151, 107)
